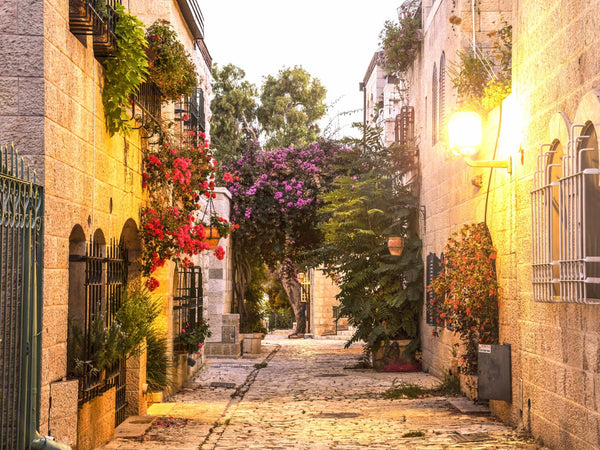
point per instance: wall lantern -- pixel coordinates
(465, 136)
(395, 245)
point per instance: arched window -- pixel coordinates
(588, 168)
(434, 106)
(442, 97)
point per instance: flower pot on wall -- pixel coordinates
(395, 245)
(212, 237)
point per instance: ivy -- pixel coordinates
(124, 72)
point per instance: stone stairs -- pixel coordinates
(342, 335)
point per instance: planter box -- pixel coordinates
(155, 397)
(392, 358)
(252, 342)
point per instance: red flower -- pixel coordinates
(219, 253)
(152, 283)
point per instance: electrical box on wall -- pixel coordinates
(494, 373)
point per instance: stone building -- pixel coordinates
(53, 113)
(541, 214)
(381, 99)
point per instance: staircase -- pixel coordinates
(342, 335)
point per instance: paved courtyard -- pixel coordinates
(304, 394)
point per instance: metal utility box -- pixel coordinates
(494, 373)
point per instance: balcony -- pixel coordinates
(190, 112)
(193, 16)
(97, 18)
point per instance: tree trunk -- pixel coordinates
(292, 289)
(241, 278)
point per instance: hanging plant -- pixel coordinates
(191, 337)
(176, 176)
(400, 41)
(124, 72)
(171, 66)
(467, 290)
(482, 79)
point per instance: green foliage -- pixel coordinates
(139, 308)
(253, 300)
(450, 386)
(233, 123)
(124, 336)
(401, 41)
(291, 105)
(417, 433)
(124, 71)
(483, 79)
(380, 294)
(467, 290)
(171, 67)
(158, 363)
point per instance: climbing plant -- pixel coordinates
(124, 71)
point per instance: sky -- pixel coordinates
(333, 40)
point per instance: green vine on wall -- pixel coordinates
(124, 71)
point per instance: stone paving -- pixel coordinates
(304, 395)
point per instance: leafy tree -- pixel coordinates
(380, 294)
(291, 105)
(233, 123)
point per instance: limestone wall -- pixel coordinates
(554, 346)
(323, 299)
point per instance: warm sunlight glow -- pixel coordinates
(464, 133)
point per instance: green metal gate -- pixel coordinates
(21, 210)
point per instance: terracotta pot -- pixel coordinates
(395, 245)
(212, 237)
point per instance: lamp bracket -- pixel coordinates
(505, 164)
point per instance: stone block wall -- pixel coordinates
(555, 370)
(323, 299)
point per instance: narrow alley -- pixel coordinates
(301, 394)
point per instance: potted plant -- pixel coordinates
(191, 337)
(171, 66)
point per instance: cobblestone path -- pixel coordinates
(305, 397)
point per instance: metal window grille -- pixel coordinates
(577, 192)
(434, 106)
(146, 105)
(405, 126)
(188, 297)
(442, 96)
(190, 111)
(105, 279)
(434, 267)
(21, 250)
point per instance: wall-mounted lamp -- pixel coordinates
(465, 136)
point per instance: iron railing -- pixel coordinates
(190, 112)
(21, 250)
(97, 18)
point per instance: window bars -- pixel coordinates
(187, 297)
(97, 18)
(434, 267)
(405, 126)
(565, 217)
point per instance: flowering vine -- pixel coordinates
(400, 41)
(467, 291)
(177, 177)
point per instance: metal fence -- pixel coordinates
(21, 212)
